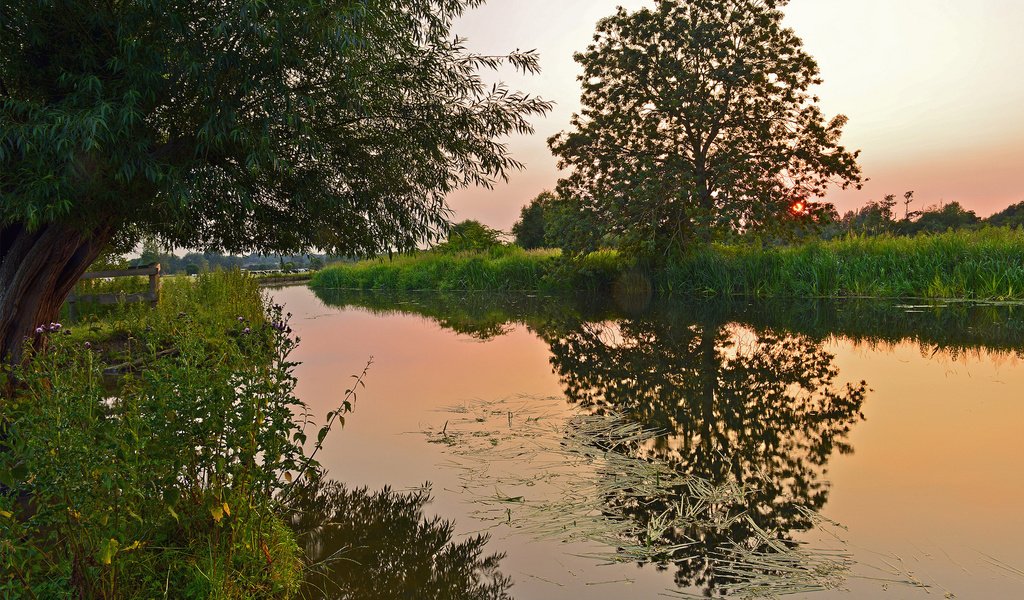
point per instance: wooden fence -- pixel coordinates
(152, 296)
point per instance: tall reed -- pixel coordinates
(978, 265)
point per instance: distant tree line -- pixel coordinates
(553, 222)
(193, 263)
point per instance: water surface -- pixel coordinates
(881, 440)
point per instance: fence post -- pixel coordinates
(154, 285)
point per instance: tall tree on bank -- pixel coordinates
(234, 126)
(698, 119)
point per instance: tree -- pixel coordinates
(234, 126)
(759, 408)
(381, 545)
(938, 219)
(470, 235)
(874, 218)
(529, 229)
(697, 120)
(1012, 216)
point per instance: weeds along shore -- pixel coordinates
(149, 450)
(986, 264)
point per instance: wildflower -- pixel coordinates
(241, 319)
(246, 330)
(88, 345)
(55, 326)
(40, 330)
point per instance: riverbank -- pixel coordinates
(971, 265)
(168, 472)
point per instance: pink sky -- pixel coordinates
(934, 90)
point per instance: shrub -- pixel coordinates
(164, 478)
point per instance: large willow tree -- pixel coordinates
(698, 119)
(236, 126)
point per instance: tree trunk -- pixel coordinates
(38, 269)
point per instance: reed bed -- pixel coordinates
(547, 471)
(978, 265)
(987, 264)
(500, 269)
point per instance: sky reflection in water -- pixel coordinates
(928, 486)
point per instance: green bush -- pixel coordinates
(167, 477)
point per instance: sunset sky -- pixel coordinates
(934, 90)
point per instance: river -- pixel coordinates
(819, 449)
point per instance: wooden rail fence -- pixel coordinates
(152, 296)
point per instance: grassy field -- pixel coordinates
(972, 265)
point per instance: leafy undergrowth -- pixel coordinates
(166, 480)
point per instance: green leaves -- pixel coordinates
(697, 123)
(252, 125)
(131, 476)
(107, 551)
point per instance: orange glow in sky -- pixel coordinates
(934, 90)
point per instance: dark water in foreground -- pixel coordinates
(850, 450)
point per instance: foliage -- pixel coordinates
(980, 265)
(550, 221)
(874, 218)
(698, 121)
(575, 229)
(530, 229)
(380, 546)
(878, 218)
(947, 217)
(162, 473)
(1011, 216)
(269, 126)
(470, 236)
(235, 126)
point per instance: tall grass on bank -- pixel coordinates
(975, 265)
(164, 481)
(978, 265)
(502, 268)
(499, 269)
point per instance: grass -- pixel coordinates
(987, 264)
(503, 268)
(973, 265)
(166, 476)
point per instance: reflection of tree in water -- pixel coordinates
(376, 546)
(762, 410)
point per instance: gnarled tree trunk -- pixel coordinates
(38, 269)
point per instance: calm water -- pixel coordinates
(877, 446)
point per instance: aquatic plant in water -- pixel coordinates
(547, 472)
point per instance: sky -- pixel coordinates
(934, 90)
